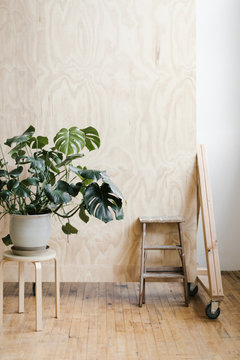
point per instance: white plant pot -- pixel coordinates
(30, 231)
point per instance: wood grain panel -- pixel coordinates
(127, 68)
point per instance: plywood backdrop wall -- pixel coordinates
(126, 67)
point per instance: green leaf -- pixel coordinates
(2, 183)
(22, 191)
(69, 159)
(5, 194)
(16, 172)
(39, 142)
(69, 229)
(30, 131)
(21, 138)
(31, 209)
(86, 174)
(38, 164)
(18, 155)
(57, 196)
(7, 240)
(74, 189)
(30, 181)
(3, 173)
(69, 141)
(71, 189)
(92, 138)
(17, 149)
(51, 178)
(12, 184)
(51, 159)
(113, 187)
(82, 214)
(62, 185)
(101, 203)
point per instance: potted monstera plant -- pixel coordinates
(38, 180)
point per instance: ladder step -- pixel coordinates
(163, 275)
(162, 247)
(178, 269)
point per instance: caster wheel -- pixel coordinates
(34, 289)
(211, 315)
(192, 289)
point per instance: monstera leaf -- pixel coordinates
(70, 141)
(102, 203)
(56, 195)
(22, 138)
(92, 138)
(51, 158)
(39, 142)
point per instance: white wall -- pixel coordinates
(218, 118)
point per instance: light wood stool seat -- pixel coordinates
(49, 254)
(167, 273)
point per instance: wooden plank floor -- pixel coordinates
(103, 321)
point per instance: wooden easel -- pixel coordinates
(209, 278)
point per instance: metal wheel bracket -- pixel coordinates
(192, 286)
(214, 306)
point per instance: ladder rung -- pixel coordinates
(165, 269)
(163, 275)
(162, 247)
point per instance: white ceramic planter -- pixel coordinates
(30, 231)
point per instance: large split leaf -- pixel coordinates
(101, 203)
(51, 158)
(69, 141)
(92, 138)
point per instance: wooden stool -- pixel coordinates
(169, 273)
(36, 260)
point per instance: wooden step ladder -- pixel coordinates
(167, 273)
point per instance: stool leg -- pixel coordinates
(1, 290)
(21, 287)
(143, 296)
(142, 266)
(185, 282)
(57, 290)
(144, 270)
(38, 298)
